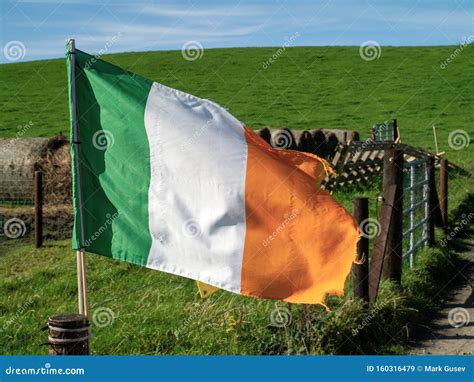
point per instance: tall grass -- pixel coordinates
(151, 312)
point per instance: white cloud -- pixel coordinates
(152, 31)
(238, 10)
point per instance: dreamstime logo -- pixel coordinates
(191, 228)
(194, 316)
(196, 134)
(464, 221)
(377, 130)
(45, 370)
(275, 56)
(103, 139)
(20, 311)
(458, 317)
(467, 41)
(192, 50)
(14, 228)
(370, 50)
(283, 140)
(102, 51)
(458, 139)
(280, 317)
(288, 218)
(108, 222)
(14, 51)
(103, 317)
(369, 228)
(367, 320)
(21, 130)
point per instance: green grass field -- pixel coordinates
(134, 310)
(155, 313)
(317, 87)
(305, 87)
(143, 312)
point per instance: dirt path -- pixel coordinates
(452, 331)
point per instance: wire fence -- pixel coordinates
(16, 206)
(17, 211)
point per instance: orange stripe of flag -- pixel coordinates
(300, 243)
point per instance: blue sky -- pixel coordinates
(41, 26)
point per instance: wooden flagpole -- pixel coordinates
(435, 135)
(80, 253)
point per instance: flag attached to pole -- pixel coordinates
(176, 183)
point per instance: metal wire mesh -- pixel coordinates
(416, 212)
(17, 210)
(383, 132)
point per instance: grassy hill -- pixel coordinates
(318, 87)
(305, 87)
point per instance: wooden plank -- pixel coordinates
(362, 171)
(361, 164)
(339, 156)
(373, 145)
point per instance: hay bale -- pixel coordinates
(326, 140)
(56, 167)
(265, 135)
(58, 222)
(339, 135)
(16, 223)
(352, 136)
(320, 143)
(332, 141)
(20, 158)
(343, 136)
(304, 140)
(283, 139)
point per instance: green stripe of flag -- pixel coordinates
(115, 160)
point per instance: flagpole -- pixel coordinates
(80, 253)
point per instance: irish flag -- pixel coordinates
(175, 183)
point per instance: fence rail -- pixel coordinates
(362, 160)
(417, 187)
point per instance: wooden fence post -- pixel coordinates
(380, 243)
(68, 334)
(360, 268)
(393, 176)
(443, 191)
(38, 189)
